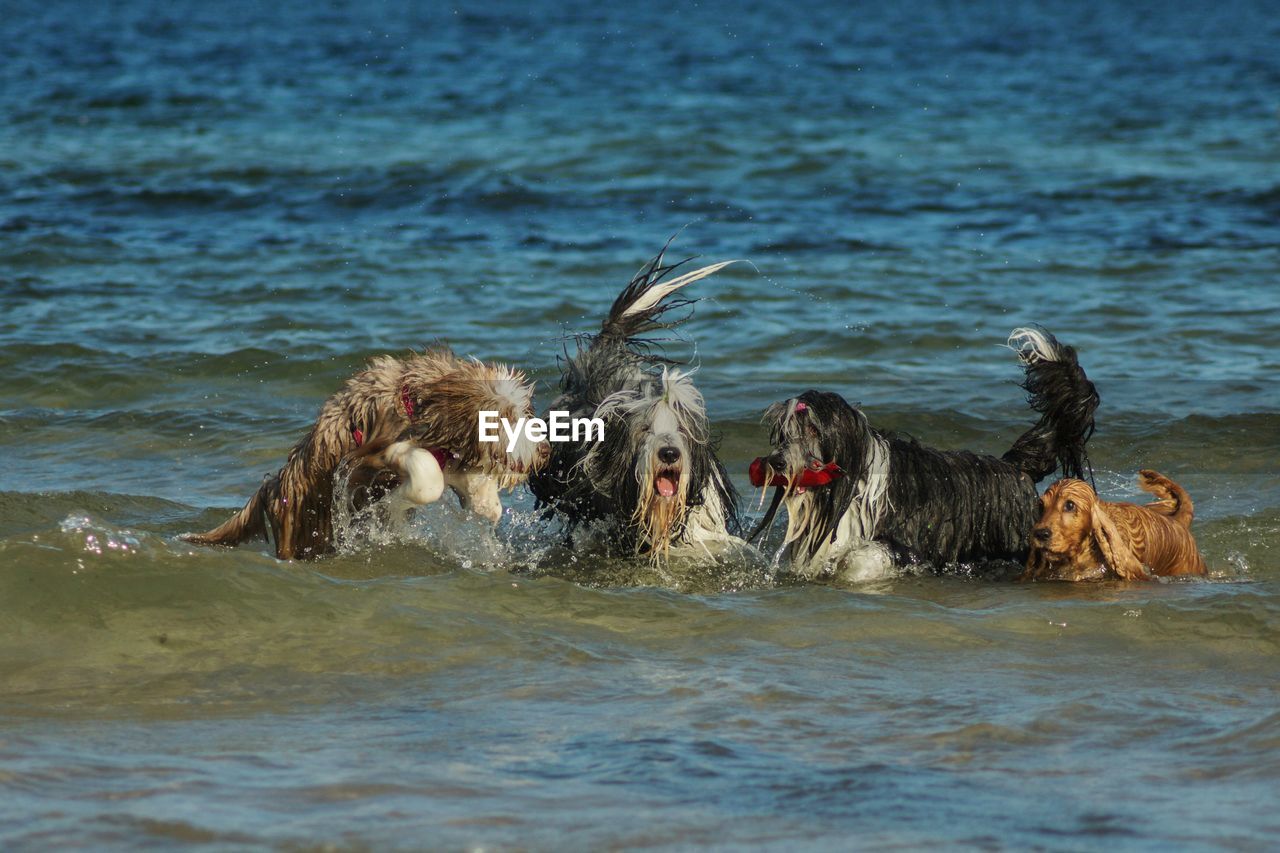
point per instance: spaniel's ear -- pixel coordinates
(1116, 552)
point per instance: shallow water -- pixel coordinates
(211, 214)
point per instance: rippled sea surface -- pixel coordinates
(210, 214)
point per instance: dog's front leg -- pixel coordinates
(476, 491)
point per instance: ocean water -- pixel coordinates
(210, 214)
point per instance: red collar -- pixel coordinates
(443, 457)
(407, 402)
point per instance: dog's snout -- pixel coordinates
(1041, 534)
(669, 455)
(778, 461)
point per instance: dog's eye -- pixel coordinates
(813, 433)
(1069, 506)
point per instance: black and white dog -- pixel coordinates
(655, 478)
(860, 501)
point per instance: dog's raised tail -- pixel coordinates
(1171, 499)
(641, 304)
(249, 523)
(1058, 389)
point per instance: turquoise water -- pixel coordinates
(210, 215)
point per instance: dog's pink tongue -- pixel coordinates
(666, 486)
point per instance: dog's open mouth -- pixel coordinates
(667, 482)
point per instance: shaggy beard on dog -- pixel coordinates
(430, 402)
(652, 502)
(657, 460)
(916, 504)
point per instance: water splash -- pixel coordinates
(98, 538)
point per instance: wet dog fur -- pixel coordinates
(1081, 537)
(899, 502)
(403, 429)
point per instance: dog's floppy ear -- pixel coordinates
(1115, 550)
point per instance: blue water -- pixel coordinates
(210, 214)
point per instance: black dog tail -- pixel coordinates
(641, 304)
(1059, 390)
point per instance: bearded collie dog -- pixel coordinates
(861, 501)
(1081, 537)
(398, 433)
(654, 479)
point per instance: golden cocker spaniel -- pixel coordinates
(1082, 537)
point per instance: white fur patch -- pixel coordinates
(658, 292)
(1031, 345)
(476, 491)
(421, 480)
(678, 400)
(856, 529)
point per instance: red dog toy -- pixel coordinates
(812, 477)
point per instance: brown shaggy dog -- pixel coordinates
(402, 429)
(1082, 537)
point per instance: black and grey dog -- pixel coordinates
(860, 501)
(655, 478)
